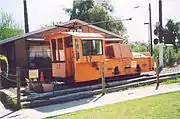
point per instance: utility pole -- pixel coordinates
(150, 28)
(26, 25)
(161, 64)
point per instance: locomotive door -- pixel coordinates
(69, 56)
(58, 59)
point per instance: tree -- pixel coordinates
(91, 11)
(51, 24)
(172, 33)
(80, 9)
(139, 47)
(8, 27)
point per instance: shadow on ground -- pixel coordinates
(61, 106)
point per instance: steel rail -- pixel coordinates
(66, 95)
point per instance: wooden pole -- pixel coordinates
(0, 81)
(0, 76)
(103, 78)
(157, 72)
(150, 28)
(18, 83)
(26, 25)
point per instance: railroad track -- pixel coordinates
(65, 95)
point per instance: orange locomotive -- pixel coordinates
(78, 57)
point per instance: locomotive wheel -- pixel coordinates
(69, 81)
(138, 74)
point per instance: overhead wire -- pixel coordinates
(93, 23)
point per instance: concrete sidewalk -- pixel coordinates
(3, 110)
(58, 109)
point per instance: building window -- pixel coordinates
(38, 52)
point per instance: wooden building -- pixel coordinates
(30, 50)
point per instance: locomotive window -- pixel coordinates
(54, 49)
(77, 49)
(61, 50)
(68, 41)
(92, 47)
(60, 43)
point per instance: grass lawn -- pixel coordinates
(165, 106)
(177, 80)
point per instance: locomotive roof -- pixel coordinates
(85, 35)
(82, 35)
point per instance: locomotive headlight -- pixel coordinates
(133, 64)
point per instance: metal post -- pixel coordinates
(161, 64)
(157, 72)
(150, 28)
(168, 49)
(103, 78)
(18, 83)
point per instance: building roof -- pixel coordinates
(98, 28)
(41, 33)
(25, 35)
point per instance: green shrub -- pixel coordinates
(171, 57)
(139, 48)
(8, 102)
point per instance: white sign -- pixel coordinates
(33, 73)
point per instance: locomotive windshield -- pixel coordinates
(92, 47)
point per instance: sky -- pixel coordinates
(44, 12)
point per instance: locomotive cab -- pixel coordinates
(76, 56)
